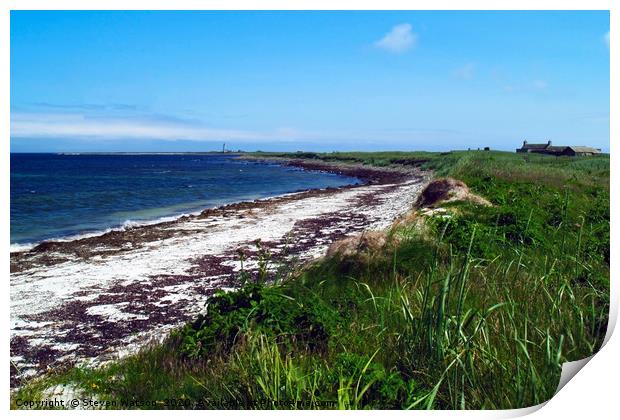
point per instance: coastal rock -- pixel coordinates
(442, 190)
(365, 243)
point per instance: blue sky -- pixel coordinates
(187, 81)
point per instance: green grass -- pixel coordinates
(479, 311)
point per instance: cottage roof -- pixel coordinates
(535, 146)
(584, 149)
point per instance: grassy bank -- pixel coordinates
(475, 310)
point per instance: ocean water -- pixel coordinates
(58, 196)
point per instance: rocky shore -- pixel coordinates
(96, 298)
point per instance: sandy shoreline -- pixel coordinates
(99, 297)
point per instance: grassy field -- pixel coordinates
(475, 311)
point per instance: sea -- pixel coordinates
(67, 196)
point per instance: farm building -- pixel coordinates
(580, 151)
(534, 147)
(549, 149)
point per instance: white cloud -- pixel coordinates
(84, 126)
(606, 39)
(398, 40)
(466, 72)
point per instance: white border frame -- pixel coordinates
(592, 394)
